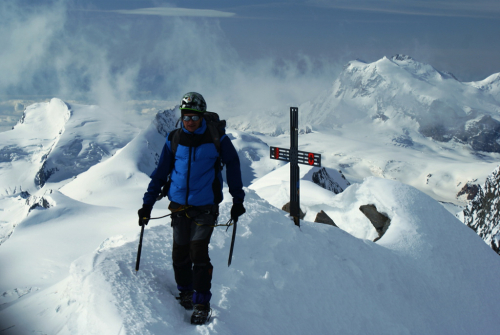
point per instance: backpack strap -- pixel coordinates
(174, 138)
(215, 133)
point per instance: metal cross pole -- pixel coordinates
(295, 157)
(294, 166)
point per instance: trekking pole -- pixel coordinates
(139, 250)
(140, 240)
(232, 244)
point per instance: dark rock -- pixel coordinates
(44, 174)
(379, 220)
(482, 135)
(24, 194)
(322, 217)
(401, 57)
(286, 208)
(323, 179)
(37, 202)
(482, 214)
(470, 189)
(165, 120)
(404, 141)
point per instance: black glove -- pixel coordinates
(236, 211)
(144, 214)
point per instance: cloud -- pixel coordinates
(451, 8)
(171, 11)
(109, 59)
(24, 40)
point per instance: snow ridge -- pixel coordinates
(407, 282)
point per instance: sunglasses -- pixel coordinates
(191, 117)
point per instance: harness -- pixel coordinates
(182, 210)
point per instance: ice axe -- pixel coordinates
(140, 248)
(232, 243)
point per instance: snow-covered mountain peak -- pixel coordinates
(47, 120)
(490, 85)
(410, 97)
(56, 141)
(420, 70)
(396, 70)
(492, 81)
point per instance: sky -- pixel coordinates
(259, 54)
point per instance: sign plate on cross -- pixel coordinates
(304, 157)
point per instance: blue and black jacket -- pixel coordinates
(195, 176)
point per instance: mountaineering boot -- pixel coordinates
(201, 314)
(186, 299)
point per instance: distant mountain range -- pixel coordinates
(404, 97)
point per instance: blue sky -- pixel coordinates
(453, 35)
(284, 50)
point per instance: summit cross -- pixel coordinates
(295, 157)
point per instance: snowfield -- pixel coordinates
(429, 274)
(72, 178)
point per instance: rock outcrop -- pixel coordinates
(322, 217)
(44, 201)
(165, 120)
(286, 208)
(469, 190)
(323, 179)
(482, 213)
(379, 220)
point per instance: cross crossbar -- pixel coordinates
(304, 157)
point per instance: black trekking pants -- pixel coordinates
(192, 232)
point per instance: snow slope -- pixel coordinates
(110, 182)
(429, 274)
(68, 267)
